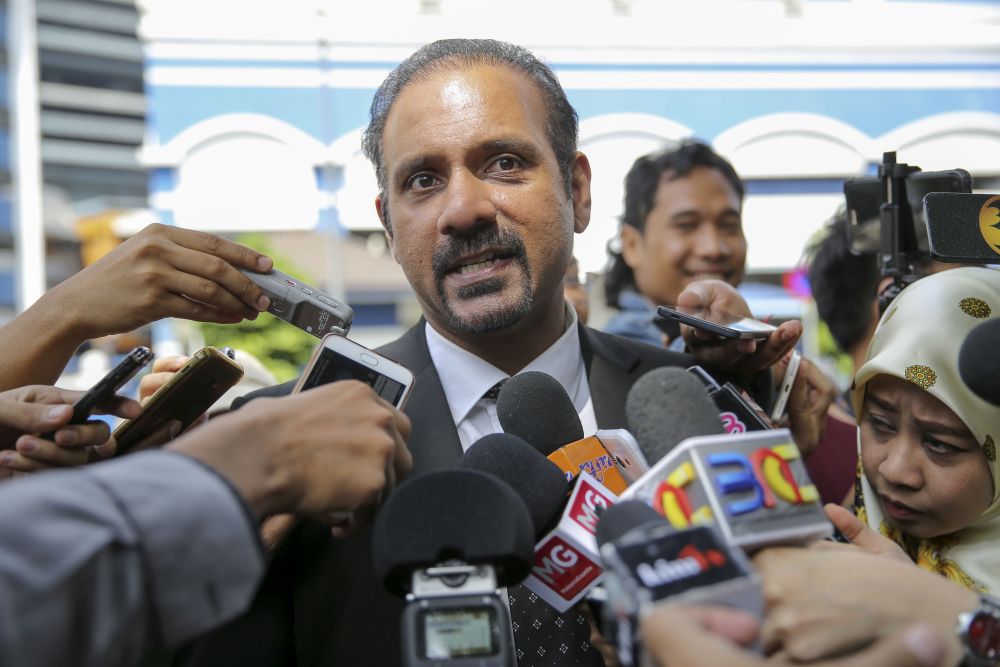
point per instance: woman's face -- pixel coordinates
(930, 474)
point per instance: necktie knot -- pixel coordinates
(493, 392)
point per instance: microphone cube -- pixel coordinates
(753, 486)
(567, 561)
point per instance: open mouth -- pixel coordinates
(898, 510)
(478, 263)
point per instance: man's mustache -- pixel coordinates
(505, 243)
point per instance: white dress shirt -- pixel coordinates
(465, 378)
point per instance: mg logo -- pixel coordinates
(563, 568)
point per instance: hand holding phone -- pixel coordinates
(310, 309)
(186, 396)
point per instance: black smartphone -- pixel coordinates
(726, 325)
(106, 387)
(302, 305)
(185, 397)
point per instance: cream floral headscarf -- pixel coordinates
(918, 339)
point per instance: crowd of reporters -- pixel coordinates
(107, 563)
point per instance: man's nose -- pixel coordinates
(712, 244)
(467, 205)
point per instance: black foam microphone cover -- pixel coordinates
(535, 407)
(622, 517)
(541, 484)
(979, 363)
(668, 405)
(464, 515)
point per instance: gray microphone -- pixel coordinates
(666, 406)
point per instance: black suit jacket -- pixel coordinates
(320, 603)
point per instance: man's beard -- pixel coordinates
(509, 245)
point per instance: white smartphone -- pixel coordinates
(338, 358)
(786, 386)
(623, 448)
(727, 325)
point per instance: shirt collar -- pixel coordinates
(465, 377)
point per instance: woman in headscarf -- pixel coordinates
(928, 461)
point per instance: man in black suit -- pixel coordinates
(481, 192)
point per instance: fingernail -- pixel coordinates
(27, 445)
(263, 302)
(925, 645)
(6, 458)
(68, 437)
(264, 263)
(56, 412)
(175, 428)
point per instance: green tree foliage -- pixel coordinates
(282, 348)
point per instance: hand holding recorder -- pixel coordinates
(27, 411)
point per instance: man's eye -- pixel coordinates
(506, 163)
(422, 182)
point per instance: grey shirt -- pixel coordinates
(101, 564)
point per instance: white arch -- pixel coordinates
(631, 124)
(345, 148)
(968, 139)
(173, 153)
(795, 145)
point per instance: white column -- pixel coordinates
(26, 163)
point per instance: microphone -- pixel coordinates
(978, 363)
(963, 228)
(667, 405)
(647, 563)
(539, 483)
(565, 563)
(446, 540)
(737, 409)
(535, 407)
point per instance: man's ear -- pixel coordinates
(633, 246)
(383, 212)
(580, 182)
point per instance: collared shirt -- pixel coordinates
(465, 378)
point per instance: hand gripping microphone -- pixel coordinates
(752, 486)
(648, 563)
(566, 563)
(978, 362)
(536, 408)
(446, 540)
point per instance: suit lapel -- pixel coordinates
(434, 440)
(609, 372)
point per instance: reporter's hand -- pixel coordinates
(28, 411)
(860, 535)
(681, 636)
(164, 271)
(810, 398)
(162, 370)
(829, 602)
(739, 356)
(333, 448)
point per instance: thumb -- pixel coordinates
(34, 417)
(856, 530)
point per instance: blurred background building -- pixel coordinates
(251, 114)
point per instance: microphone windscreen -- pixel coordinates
(539, 482)
(452, 514)
(622, 517)
(535, 407)
(979, 363)
(668, 405)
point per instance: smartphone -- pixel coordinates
(185, 397)
(106, 387)
(308, 308)
(864, 201)
(339, 358)
(726, 325)
(786, 386)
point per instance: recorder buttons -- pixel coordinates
(369, 359)
(327, 300)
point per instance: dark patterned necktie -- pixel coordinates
(542, 636)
